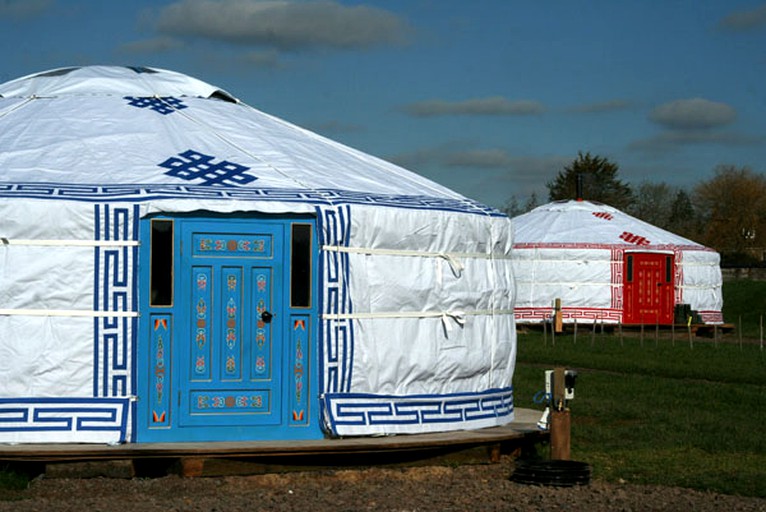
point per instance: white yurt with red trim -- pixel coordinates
(609, 267)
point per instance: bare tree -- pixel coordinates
(733, 207)
(653, 203)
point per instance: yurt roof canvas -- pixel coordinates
(73, 118)
(410, 328)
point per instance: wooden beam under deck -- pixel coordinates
(522, 431)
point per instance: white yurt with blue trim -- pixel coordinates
(607, 267)
(178, 266)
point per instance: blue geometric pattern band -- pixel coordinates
(70, 415)
(141, 193)
(114, 289)
(360, 414)
(337, 336)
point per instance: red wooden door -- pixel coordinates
(648, 288)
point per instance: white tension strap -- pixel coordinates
(67, 313)
(71, 243)
(451, 257)
(456, 316)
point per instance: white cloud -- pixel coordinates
(530, 170)
(693, 114)
(749, 19)
(20, 9)
(492, 106)
(284, 24)
(673, 139)
(491, 175)
(263, 59)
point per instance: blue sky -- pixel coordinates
(488, 97)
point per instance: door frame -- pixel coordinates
(158, 378)
(667, 261)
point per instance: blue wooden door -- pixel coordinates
(226, 345)
(230, 362)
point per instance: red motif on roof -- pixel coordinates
(634, 239)
(603, 215)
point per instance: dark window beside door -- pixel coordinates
(300, 266)
(161, 271)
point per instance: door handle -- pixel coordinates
(266, 317)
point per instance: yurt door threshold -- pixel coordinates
(227, 321)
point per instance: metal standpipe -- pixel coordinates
(559, 470)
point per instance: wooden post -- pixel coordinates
(560, 424)
(558, 318)
(553, 330)
(575, 332)
(656, 333)
(191, 467)
(673, 333)
(739, 331)
(561, 427)
(494, 453)
(689, 329)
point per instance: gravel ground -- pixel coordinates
(473, 488)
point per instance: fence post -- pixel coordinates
(739, 331)
(689, 329)
(673, 333)
(553, 332)
(575, 330)
(593, 334)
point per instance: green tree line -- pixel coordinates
(726, 212)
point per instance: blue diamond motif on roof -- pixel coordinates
(165, 105)
(193, 165)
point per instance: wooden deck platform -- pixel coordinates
(190, 459)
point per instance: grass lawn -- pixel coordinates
(658, 412)
(745, 301)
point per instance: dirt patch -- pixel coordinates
(473, 488)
